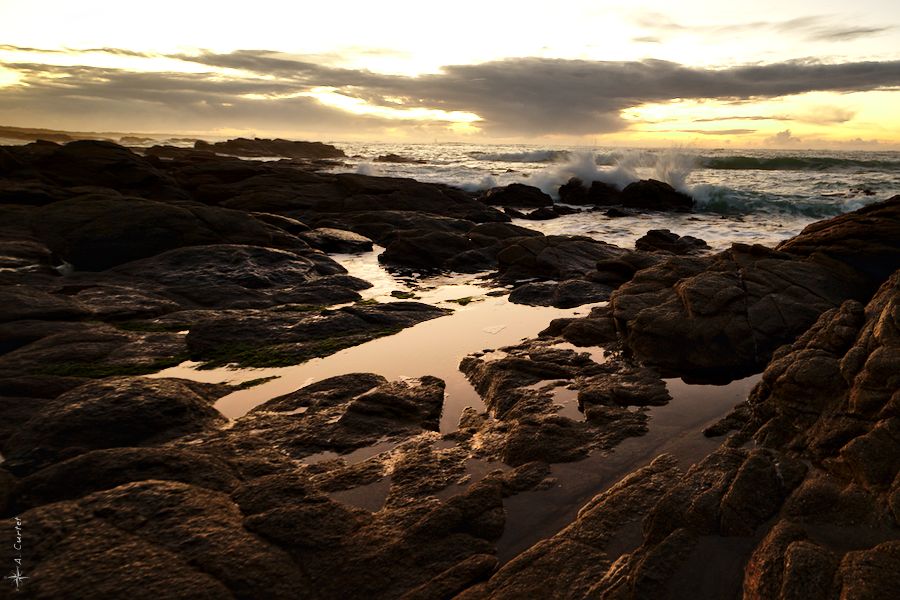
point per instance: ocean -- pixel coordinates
(749, 196)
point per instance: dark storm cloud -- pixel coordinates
(514, 97)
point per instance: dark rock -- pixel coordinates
(336, 241)
(615, 213)
(396, 158)
(599, 194)
(283, 337)
(574, 561)
(725, 320)
(565, 294)
(152, 537)
(114, 412)
(518, 195)
(655, 195)
(552, 257)
(105, 469)
(233, 276)
(663, 240)
(269, 147)
(344, 413)
(292, 226)
(97, 232)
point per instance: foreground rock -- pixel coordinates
(280, 337)
(113, 412)
(810, 512)
(721, 317)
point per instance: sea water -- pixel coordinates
(749, 196)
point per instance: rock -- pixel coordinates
(473, 251)
(292, 226)
(572, 562)
(456, 579)
(148, 537)
(598, 194)
(865, 240)
(106, 469)
(663, 240)
(238, 276)
(283, 337)
(554, 257)
(270, 147)
(98, 164)
(98, 232)
(655, 195)
(59, 358)
(730, 316)
(517, 195)
(114, 412)
(396, 158)
(336, 241)
(565, 294)
(343, 413)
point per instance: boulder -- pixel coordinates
(337, 241)
(114, 412)
(96, 232)
(651, 194)
(663, 240)
(517, 195)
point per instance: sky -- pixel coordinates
(804, 74)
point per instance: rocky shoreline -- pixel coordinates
(117, 264)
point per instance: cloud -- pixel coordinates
(719, 131)
(783, 138)
(825, 28)
(514, 97)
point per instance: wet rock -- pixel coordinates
(106, 469)
(66, 355)
(238, 276)
(456, 579)
(517, 195)
(552, 257)
(572, 562)
(598, 194)
(725, 320)
(474, 250)
(98, 164)
(663, 240)
(148, 537)
(397, 159)
(269, 147)
(279, 337)
(565, 294)
(292, 226)
(97, 232)
(345, 412)
(597, 329)
(336, 241)
(121, 411)
(21, 302)
(655, 195)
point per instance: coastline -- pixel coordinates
(118, 265)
